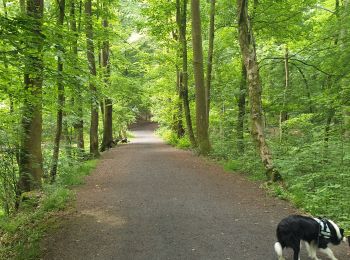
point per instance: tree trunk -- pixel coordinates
(79, 124)
(93, 91)
(283, 112)
(60, 93)
(210, 56)
(241, 110)
(179, 128)
(31, 162)
(201, 110)
(108, 106)
(182, 24)
(247, 45)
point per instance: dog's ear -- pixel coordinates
(349, 240)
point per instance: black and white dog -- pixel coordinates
(315, 232)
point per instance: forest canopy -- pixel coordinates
(262, 85)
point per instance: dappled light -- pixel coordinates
(159, 95)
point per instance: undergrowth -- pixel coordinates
(171, 138)
(21, 233)
(316, 177)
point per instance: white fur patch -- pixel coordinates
(278, 249)
(336, 228)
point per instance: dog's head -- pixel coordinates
(337, 234)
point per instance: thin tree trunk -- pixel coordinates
(93, 91)
(31, 162)
(180, 130)
(283, 112)
(182, 24)
(8, 90)
(201, 110)
(307, 87)
(79, 124)
(210, 56)
(247, 45)
(241, 111)
(108, 108)
(60, 93)
(179, 116)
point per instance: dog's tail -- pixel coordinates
(279, 250)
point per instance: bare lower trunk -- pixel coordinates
(182, 21)
(108, 106)
(201, 111)
(31, 163)
(246, 41)
(283, 112)
(241, 111)
(60, 95)
(93, 91)
(210, 56)
(179, 126)
(79, 124)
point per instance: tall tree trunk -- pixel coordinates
(60, 91)
(201, 110)
(93, 91)
(241, 110)
(6, 65)
(247, 45)
(283, 112)
(108, 106)
(210, 56)
(182, 24)
(179, 117)
(31, 162)
(180, 129)
(79, 124)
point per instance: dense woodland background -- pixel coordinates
(262, 85)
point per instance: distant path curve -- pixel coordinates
(147, 200)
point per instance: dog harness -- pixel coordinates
(324, 231)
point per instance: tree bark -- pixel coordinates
(93, 91)
(210, 56)
(108, 106)
(31, 162)
(241, 110)
(179, 127)
(79, 124)
(201, 110)
(182, 24)
(60, 92)
(247, 45)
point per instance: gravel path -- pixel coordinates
(147, 200)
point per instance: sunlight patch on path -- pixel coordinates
(104, 217)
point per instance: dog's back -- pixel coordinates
(295, 228)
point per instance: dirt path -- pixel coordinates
(147, 200)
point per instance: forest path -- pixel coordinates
(147, 200)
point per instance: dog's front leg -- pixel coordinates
(311, 249)
(328, 252)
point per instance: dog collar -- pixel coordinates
(324, 228)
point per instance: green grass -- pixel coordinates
(20, 234)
